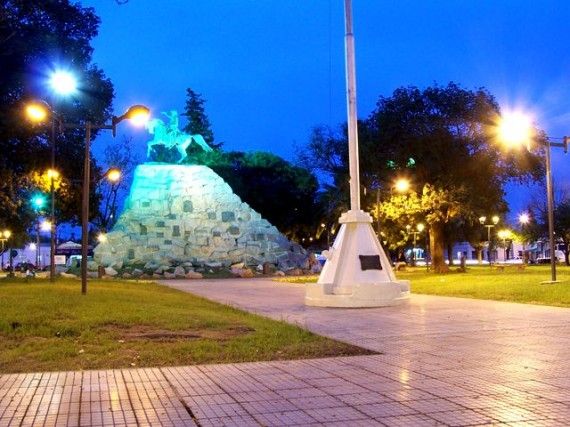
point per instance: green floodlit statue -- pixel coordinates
(169, 144)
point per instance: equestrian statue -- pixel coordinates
(171, 140)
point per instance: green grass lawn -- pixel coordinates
(483, 283)
(117, 324)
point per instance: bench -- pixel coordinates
(503, 267)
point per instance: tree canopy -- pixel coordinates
(284, 194)
(35, 39)
(198, 122)
(444, 140)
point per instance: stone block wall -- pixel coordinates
(187, 213)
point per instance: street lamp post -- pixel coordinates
(516, 129)
(40, 111)
(134, 112)
(550, 202)
(495, 221)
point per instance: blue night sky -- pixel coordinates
(270, 70)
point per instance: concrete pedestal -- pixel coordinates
(343, 282)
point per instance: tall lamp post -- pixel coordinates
(419, 229)
(516, 129)
(494, 222)
(138, 114)
(62, 83)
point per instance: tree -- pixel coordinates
(284, 194)
(450, 133)
(198, 122)
(116, 156)
(444, 140)
(34, 36)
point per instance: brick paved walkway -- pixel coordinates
(444, 361)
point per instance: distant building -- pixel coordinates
(41, 258)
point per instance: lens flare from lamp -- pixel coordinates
(6, 234)
(421, 227)
(524, 218)
(101, 237)
(45, 226)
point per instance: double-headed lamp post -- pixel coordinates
(494, 221)
(515, 129)
(138, 114)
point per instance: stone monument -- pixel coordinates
(180, 214)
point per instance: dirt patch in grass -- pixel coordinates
(52, 327)
(152, 333)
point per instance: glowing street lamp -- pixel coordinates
(524, 218)
(37, 111)
(38, 202)
(516, 129)
(63, 82)
(113, 175)
(402, 185)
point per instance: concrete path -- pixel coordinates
(444, 361)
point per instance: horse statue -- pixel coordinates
(169, 136)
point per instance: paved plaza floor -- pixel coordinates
(441, 361)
